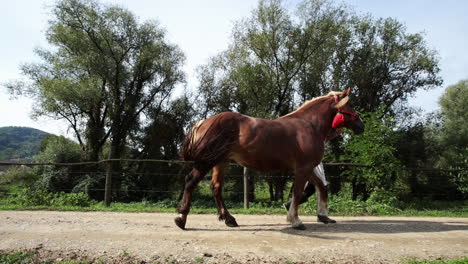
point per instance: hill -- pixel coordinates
(19, 142)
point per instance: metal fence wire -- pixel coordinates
(162, 179)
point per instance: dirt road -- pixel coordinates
(259, 239)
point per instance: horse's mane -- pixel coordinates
(332, 93)
(313, 100)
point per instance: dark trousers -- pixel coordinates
(309, 190)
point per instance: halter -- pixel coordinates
(353, 115)
(339, 120)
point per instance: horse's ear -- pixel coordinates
(342, 102)
(346, 92)
(342, 99)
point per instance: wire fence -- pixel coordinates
(168, 181)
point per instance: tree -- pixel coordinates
(160, 139)
(453, 135)
(258, 74)
(277, 61)
(105, 70)
(454, 114)
(388, 64)
(374, 148)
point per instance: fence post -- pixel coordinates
(246, 188)
(108, 186)
(110, 168)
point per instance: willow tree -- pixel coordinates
(452, 138)
(278, 59)
(103, 69)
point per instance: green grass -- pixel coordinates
(17, 257)
(452, 261)
(203, 203)
(24, 257)
(351, 208)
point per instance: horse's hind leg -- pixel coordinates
(191, 181)
(217, 182)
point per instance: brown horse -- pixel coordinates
(294, 142)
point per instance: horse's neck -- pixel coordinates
(319, 115)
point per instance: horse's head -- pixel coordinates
(346, 116)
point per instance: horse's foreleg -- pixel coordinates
(292, 216)
(217, 182)
(191, 181)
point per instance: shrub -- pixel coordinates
(31, 197)
(18, 175)
(71, 199)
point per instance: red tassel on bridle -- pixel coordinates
(339, 120)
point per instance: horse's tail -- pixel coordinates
(211, 146)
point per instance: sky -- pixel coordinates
(202, 29)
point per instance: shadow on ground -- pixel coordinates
(353, 226)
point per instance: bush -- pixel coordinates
(374, 148)
(18, 175)
(71, 199)
(31, 197)
(58, 149)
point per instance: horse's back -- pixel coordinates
(272, 145)
(260, 144)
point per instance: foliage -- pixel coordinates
(104, 69)
(374, 148)
(34, 197)
(19, 142)
(386, 63)
(278, 59)
(453, 135)
(258, 74)
(454, 114)
(111, 78)
(18, 175)
(58, 149)
(439, 141)
(380, 203)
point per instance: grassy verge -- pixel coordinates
(337, 208)
(340, 205)
(23, 257)
(58, 257)
(451, 261)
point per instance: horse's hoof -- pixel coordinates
(180, 222)
(231, 222)
(324, 219)
(299, 227)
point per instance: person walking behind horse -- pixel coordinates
(309, 190)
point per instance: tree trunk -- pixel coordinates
(112, 167)
(109, 171)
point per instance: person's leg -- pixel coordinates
(322, 196)
(309, 190)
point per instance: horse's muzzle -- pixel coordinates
(358, 128)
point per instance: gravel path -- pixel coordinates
(259, 239)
